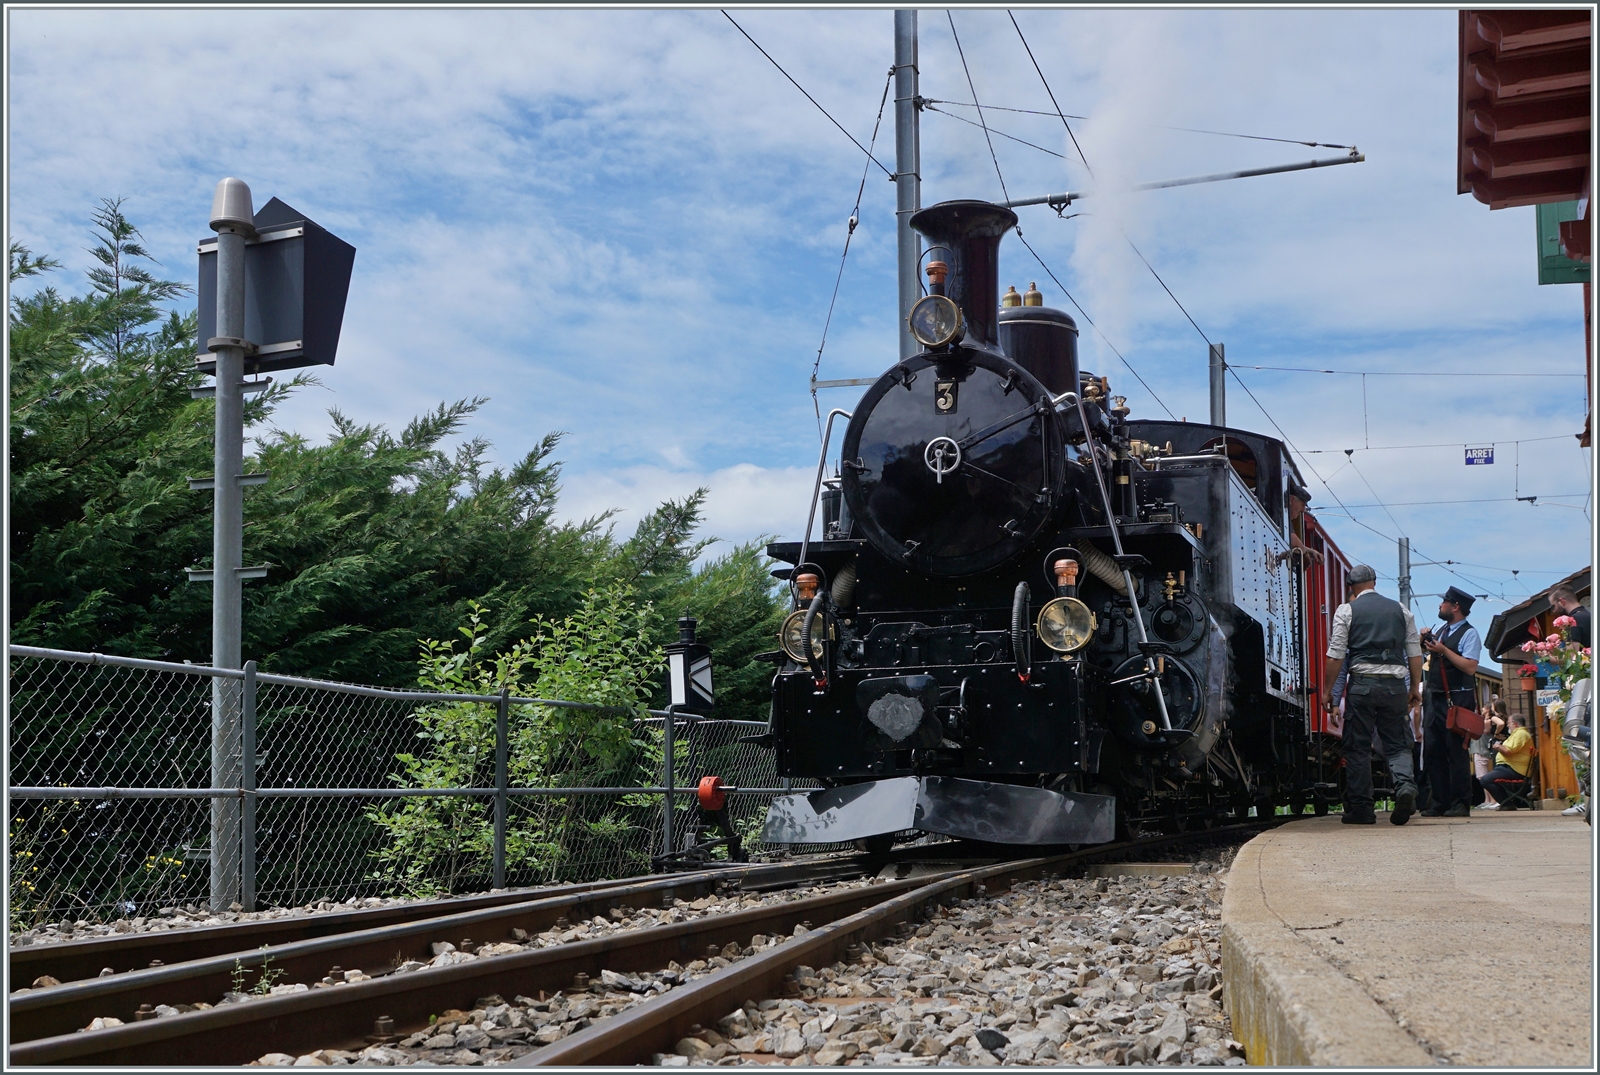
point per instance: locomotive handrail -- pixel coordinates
(816, 491)
(1116, 540)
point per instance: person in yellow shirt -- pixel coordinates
(1511, 762)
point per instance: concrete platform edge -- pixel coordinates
(1288, 1006)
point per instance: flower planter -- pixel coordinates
(1529, 683)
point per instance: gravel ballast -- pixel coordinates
(1068, 971)
(249, 985)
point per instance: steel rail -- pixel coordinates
(68, 961)
(341, 1017)
(329, 1017)
(633, 1036)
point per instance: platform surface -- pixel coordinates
(1385, 945)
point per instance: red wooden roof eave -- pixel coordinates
(1558, 184)
(1503, 638)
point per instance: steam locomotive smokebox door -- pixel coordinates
(900, 710)
(952, 465)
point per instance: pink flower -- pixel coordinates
(1566, 621)
(1526, 647)
(1552, 638)
(1586, 652)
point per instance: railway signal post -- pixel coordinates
(233, 219)
(272, 289)
(690, 692)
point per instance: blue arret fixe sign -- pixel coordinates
(1477, 457)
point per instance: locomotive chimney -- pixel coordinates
(970, 232)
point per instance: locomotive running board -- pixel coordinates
(947, 805)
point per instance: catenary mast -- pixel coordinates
(907, 169)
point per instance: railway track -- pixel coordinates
(387, 1005)
(69, 961)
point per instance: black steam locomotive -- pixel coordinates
(1030, 619)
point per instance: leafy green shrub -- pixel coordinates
(602, 655)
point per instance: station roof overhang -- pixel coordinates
(1525, 111)
(1509, 629)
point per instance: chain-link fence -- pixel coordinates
(320, 790)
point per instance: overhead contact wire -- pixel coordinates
(1402, 373)
(1440, 444)
(808, 96)
(1156, 126)
(1053, 102)
(981, 121)
(1048, 272)
(855, 218)
(994, 130)
(1062, 116)
(1349, 514)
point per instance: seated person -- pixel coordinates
(1482, 748)
(1511, 762)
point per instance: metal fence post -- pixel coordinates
(667, 797)
(501, 782)
(247, 785)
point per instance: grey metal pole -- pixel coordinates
(1067, 197)
(907, 169)
(1405, 573)
(502, 721)
(1219, 386)
(232, 218)
(247, 783)
(667, 799)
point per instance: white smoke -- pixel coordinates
(1141, 67)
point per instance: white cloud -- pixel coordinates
(626, 225)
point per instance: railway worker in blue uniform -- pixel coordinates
(1455, 650)
(1379, 638)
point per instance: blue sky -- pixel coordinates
(626, 225)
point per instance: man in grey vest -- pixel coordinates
(1451, 681)
(1380, 639)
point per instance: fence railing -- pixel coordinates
(332, 790)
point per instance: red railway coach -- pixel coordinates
(1322, 584)
(1324, 574)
